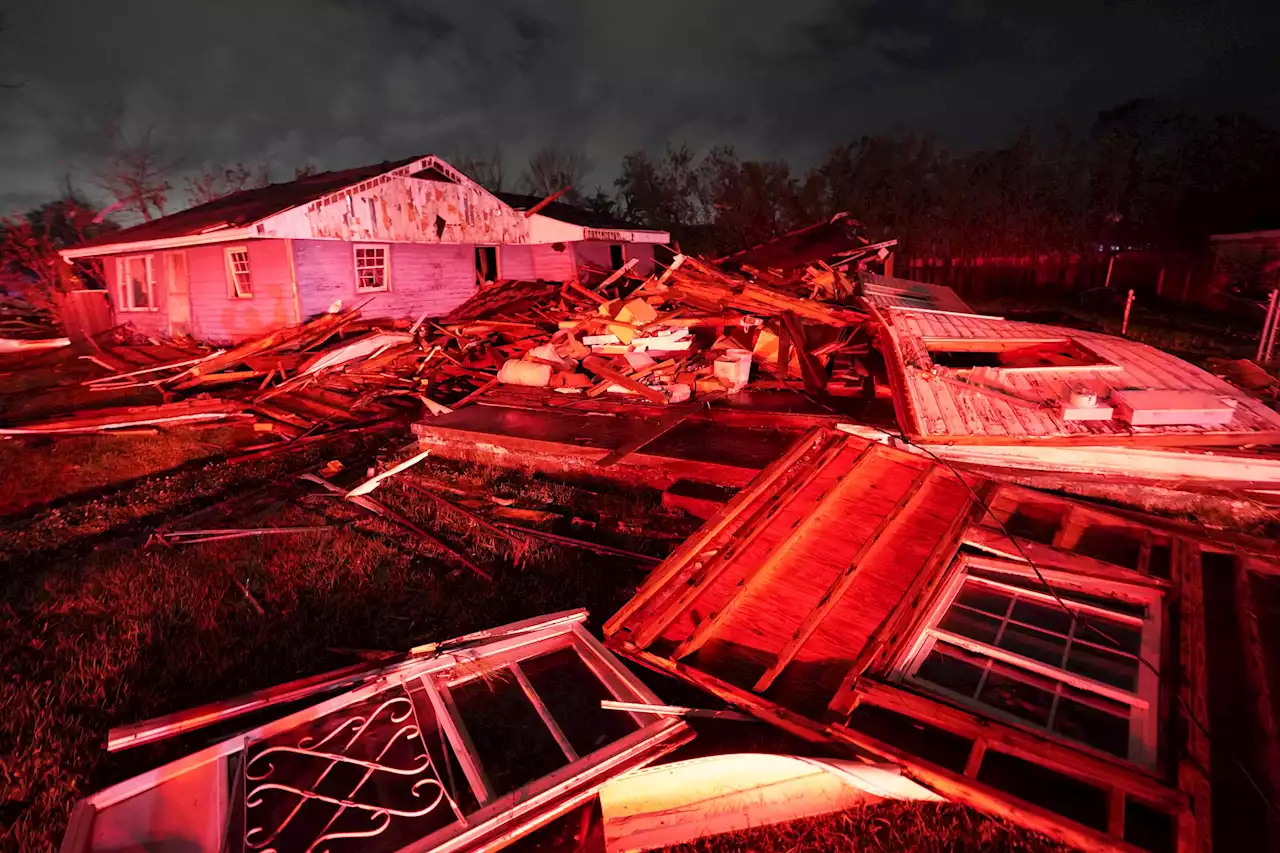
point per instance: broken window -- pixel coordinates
(486, 263)
(968, 353)
(239, 282)
(1002, 641)
(488, 737)
(371, 268)
(135, 289)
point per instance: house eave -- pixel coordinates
(220, 236)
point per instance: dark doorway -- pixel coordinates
(487, 263)
(615, 257)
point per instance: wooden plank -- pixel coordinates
(713, 528)
(932, 576)
(455, 730)
(880, 537)
(663, 426)
(1195, 823)
(1259, 689)
(599, 367)
(753, 526)
(759, 574)
(482, 523)
(815, 378)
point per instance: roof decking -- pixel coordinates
(1005, 405)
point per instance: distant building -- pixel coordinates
(415, 235)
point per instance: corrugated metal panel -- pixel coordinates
(216, 315)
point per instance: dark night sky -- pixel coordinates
(346, 82)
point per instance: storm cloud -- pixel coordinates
(340, 82)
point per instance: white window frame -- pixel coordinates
(233, 275)
(386, 266)
(1144, 701)
(124, 289)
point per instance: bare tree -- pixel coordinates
(213, 184)
(552, 168)
(136, 172)
(483, 168)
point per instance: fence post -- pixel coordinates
(1128, 303)
(1268, 330)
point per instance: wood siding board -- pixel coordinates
(879, 540)
(218, 316)
(1193, 759)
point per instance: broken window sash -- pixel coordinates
(444, 752)
(998, 640)
(371, 268)
(135, 290)
(240, 283)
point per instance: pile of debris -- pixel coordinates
(24, 327)
(692, 332)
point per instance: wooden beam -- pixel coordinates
(1258, 686)
(760, 573)
(880, 537)
(663, 426)
(1194, 823)
(815, 378)
(716, 525)
(599, 367)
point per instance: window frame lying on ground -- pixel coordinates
(383, 251)
(1142, 700)
(125, 295)
(219, 787)
(239, 274)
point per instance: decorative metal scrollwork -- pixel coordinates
(331, 752)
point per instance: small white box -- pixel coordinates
(1172, 408)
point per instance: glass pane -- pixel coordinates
(984, 598)
(1093, 720)
(954, 669)
(1107, 667)
(360, 771)
(572, 694)
(514, 745)
(1044, 615)
(1112, 636)
(970, 623)
(1019, 694)
(1037, 645)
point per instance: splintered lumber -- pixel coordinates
(372, 483)
(463, 511)
(581, 543)
(192, 537)
(132, 416)
(677, 711)
(598, 366)
(815, 379)
(387, 513)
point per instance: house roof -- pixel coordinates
(569, 213)
(244, 207)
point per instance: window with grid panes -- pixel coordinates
(371, 268)
(1003, 643)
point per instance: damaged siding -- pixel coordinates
(537, 261)
(397, 208)
(216, 315)
(421, 278)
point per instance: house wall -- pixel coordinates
(596, 253)
(421, 277)
(218, 316)
(397, 208)
(538, 261)
(145, 322)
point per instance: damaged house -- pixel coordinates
(410, 237)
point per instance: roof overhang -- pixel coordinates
(222, 235)
(548, 229)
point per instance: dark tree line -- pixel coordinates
(1143, 176)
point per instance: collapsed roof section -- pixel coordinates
(463, 746)
(860, 596)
